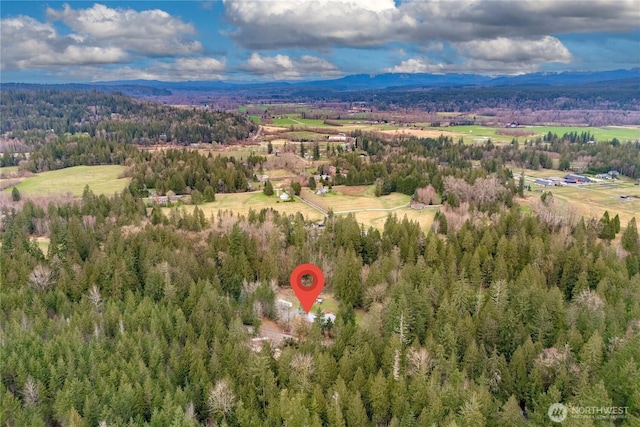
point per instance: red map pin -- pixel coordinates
(307, 293)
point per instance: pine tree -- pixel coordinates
(268, 188)
(15, 194)
(296, 188)
(316, 151)
(607, 230)
(630, 240)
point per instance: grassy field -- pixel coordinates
(101, 180)
(590, 200)
(296, 120)
(601, 134)
(345, 199)
(377, 219)
(241, 203)
(312, 136)
(360, 198)
(474, 133)
(7, 171)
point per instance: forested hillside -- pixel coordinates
(123, 322)
(31, 116)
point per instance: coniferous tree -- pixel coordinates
(268, 188)
(15, 194)
(630, 240)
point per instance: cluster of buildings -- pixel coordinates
(612, 174)
(572, 178)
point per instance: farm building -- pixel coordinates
(573, 179)
(543, 182)
(341, 137)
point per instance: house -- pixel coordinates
(332, 170)
(326, 316)
(285, 304)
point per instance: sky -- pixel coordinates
(269, 40)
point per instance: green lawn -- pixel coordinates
(101, 180)
(474, 132)
(600, 134)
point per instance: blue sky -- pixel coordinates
(237, 40)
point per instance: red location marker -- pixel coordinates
(307, 294)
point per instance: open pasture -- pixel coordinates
(590, 200)
(355, 199)
(241, 203)
(622, 133)
(100, 179)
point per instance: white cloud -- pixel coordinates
(148, 32)
(181, 69)
(29, 43)
(502, 49)
(282, 67)
(326, 23)
(413, 65)
(318, 23)
(100, 35)
(497, 56)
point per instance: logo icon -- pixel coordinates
(307, 290)
(557, 412)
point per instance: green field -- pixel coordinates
(312, 136)
(473, 132)
(255, 119)
(297, 121)
(599, 133)
(101, 180)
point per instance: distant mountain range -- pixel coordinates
(359, 82)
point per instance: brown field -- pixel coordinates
(343, 199)
(590, 200)
(241, 203)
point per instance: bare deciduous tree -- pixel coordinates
(41, 277)
(222, 399)
(30, 392)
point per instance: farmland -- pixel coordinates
(590, 200)
(100, 179)
(242, 203)
(367, 209)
